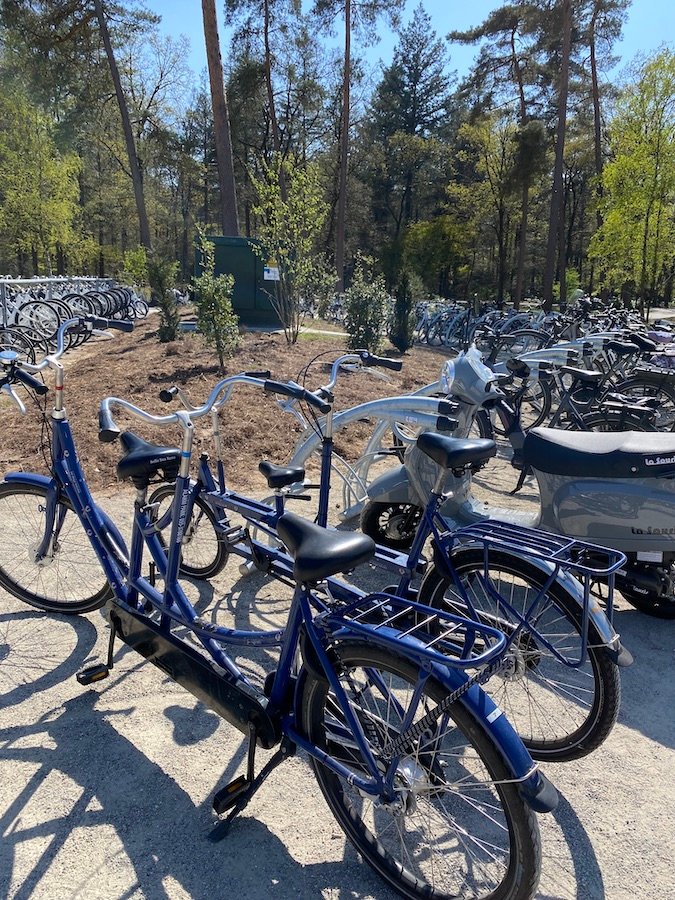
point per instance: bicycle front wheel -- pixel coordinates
(68, 576)
(458, 827)
(561, 712)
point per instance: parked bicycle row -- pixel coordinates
(32, 310)
(393, 695)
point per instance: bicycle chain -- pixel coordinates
(426, 722)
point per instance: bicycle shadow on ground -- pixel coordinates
(165, 836)
(40, 650)
(581, 867)
(647, 687)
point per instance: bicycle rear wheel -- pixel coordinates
(560, 712)
(68, 578)
(204, 551)
(458, 827)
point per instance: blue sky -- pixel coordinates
(650, 24)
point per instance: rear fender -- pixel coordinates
(600, 628)
(533, 786)
(393, 486)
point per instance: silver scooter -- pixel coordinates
(613, 489)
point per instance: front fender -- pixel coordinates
(33, 479)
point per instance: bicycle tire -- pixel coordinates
(660, 389)
(578, 722)
(607, 422)
(62, 581)
(204, 551)
(502, 862)
(535, 407)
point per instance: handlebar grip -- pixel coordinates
(107, 430)
(265, 374)
(166, 395)
(33, 383)
(445, 423)
(447, 407)
(298, 393)
(382, 361)
(119, 324)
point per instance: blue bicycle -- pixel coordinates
(561, 685)
(422, 771)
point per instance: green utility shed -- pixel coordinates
(252, 278)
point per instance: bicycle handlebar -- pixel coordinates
(108, 430)
(382, 361)
(289, 389)
(38, 386)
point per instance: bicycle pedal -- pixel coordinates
(93, 674)
(227, 797)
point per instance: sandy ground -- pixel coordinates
(105, 792)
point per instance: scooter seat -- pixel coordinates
(589, 454)
(455, 453)
(280, 476)
(319, 553)
(143, 460)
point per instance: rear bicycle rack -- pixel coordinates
(588, 563)
(426, 634)
(579, 557)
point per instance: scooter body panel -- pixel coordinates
(632, 515)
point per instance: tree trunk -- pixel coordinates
(555, 218)
(525, 194)
(597, 134)
(274, 122)
(221, 122)
(134, 164)
(344, 152)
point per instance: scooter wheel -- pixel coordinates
(391, 524)
(652, 604)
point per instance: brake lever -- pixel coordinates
(8, 389)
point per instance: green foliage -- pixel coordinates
(135, 266)
(402, 323)
(636, 243)
(365, 307)
(162, 275)
(434, 250)
(291, 222)
(213, 301)
(38, 185)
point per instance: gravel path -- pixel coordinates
(105, 792)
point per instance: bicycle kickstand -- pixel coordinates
(236, 795)
(92, 674)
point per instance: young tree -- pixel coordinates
(213, 299)
(289, 231)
